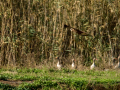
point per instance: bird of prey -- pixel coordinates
(77, 31)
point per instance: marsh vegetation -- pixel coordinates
(32, 34)
(28, 79)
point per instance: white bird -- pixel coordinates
(118, 64)
(93, 65)
(73, 64)
(59, 65)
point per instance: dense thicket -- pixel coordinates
(33, 30)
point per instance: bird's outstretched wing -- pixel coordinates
(77, 31)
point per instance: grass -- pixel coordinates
(60, 79)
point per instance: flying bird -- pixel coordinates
(77, 31)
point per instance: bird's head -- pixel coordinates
(65, 26)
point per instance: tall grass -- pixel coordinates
(32, 30)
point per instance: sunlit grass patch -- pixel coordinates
(61, 79)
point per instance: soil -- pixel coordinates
(14, 82)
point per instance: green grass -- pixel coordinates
(60, 79)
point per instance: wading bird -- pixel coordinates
(93, 65)
(59, 64)
(73, 64)
(118, 64)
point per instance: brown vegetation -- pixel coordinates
(33, 30)
(14, 82)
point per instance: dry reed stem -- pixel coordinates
(27, 27)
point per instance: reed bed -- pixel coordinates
(32, 31)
